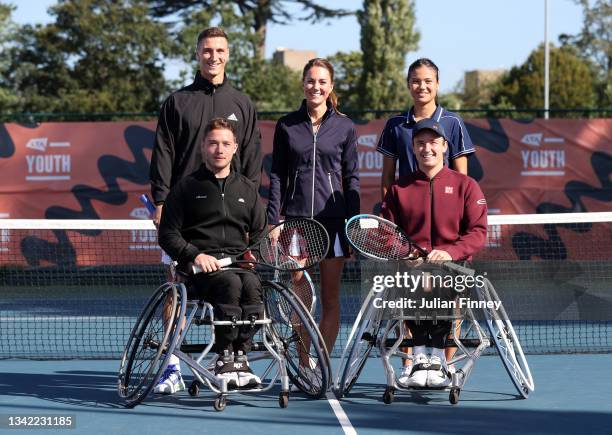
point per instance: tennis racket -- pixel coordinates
(382, 240)
(295, 244)
(144, 198)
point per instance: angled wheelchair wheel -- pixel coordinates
(506, 341)
(306, 357)
(150, 344)
(300, 283)
(360, 342)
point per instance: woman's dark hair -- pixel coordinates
(323, 63)
(423, 62)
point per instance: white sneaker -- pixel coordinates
(170, 382)
(224, 370)
(438, 375)
(246, 377)
(404, 375)
(418, 374)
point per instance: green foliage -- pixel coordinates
(271, 86)
(571, 82)
(257, 14)
(594, 43)
(98, 56)
(8, 31)
(387, 35)
(348, 68)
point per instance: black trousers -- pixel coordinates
(426, 329)
(235, 295)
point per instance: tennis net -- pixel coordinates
(73, 289)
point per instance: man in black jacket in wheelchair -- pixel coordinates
(209, 215)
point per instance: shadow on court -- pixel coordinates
(98, 389)
(365, 407)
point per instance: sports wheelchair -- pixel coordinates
(386, 330)
(287, 337)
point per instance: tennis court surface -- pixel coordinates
(71, 294)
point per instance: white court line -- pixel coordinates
(347, 427)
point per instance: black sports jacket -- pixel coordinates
(199, 217)
(180, 132)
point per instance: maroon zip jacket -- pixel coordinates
(448, 212)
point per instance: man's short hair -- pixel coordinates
(220, 124)
(211, 32)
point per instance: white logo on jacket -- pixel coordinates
(232, 117)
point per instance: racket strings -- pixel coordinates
(295, 244)
(377, 238)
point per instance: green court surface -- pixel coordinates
(572, 396)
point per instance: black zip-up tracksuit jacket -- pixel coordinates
(199, 217)
(314, 176)
(180, 132)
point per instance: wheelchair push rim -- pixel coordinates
(148, 350)
(359, 345)
(507, 342)
(291, 320)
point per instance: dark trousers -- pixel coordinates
(422, 331)
(235, 295)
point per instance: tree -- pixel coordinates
(271, 85)
(98, 56)
(571, 82)
(348, 68)
(8, 31)
(594, 42)
(387, 36)
(258, 12)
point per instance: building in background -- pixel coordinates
(294, 59)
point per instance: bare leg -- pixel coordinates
(331, 272)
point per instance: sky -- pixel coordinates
(458, 35)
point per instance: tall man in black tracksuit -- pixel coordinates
(185, 114)
(211, 214)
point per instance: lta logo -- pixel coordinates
(49, 162)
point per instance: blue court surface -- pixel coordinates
(573, 395)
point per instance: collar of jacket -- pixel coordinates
(304, 110)
(205, 173)
(201, 83)
(444, 172)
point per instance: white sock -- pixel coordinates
(175, 361)
(420, 349)
(439, 353)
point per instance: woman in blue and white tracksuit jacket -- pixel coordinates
(315, 173)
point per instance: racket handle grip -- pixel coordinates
(224, 262)
(144, 198)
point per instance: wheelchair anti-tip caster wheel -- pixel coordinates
(389, 396)
(194, 388)
(283, 400)
(453, 397)
(220, 403)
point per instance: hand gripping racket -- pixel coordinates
(295, 244)
(382, 240)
